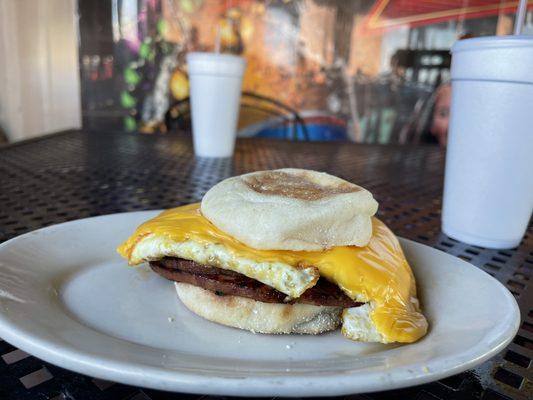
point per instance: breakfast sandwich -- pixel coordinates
(285, 251)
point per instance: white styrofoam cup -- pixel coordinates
(215, 87)
(488, 186)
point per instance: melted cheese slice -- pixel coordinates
(377, 274)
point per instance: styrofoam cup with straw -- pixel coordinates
(488, 188)
(215, 88)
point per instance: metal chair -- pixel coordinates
(257, 112)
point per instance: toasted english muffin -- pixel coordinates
(256, 316)
(291, 209)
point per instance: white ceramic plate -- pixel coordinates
(68, 298)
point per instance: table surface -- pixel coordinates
(74, 175)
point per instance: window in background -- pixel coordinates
(39, 79)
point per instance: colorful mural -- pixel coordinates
(369, 71)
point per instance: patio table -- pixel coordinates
(77, 174)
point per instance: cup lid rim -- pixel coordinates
(493, 42)
(220, 57)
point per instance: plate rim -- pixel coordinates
(326, 384)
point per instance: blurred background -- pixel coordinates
(360, 70)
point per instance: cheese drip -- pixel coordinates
(377, 273)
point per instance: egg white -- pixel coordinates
(357, 324)
(290, 280)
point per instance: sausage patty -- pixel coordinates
(226, 282)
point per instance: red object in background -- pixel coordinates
(107, 68)
(389, 14)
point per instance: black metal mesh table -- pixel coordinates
(76, 175)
